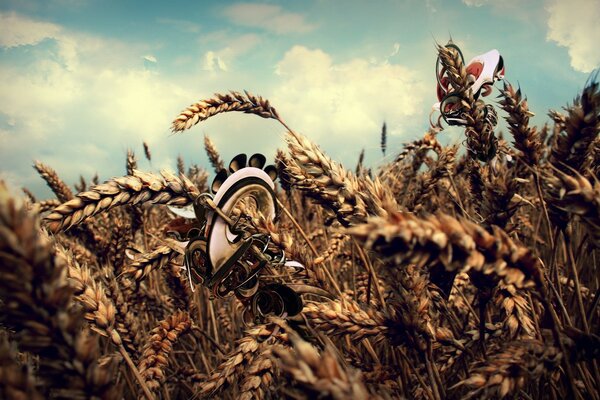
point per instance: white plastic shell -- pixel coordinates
(222, 242)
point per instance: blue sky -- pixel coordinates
(81, 80)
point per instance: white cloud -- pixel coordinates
(574, 25)
(20, 31)
(269, 17)
(346, 103)
(429, 4)
(220, 60)
(80, 103)
(475, 3)
(213, 62)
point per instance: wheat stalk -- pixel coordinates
(16, 380)
(213, 154)
(147, 152)
(480, 119)
(509, 369)
(129, 190)
(81, 185)
(320, 374)
(576, 195)
(47, 205)
(456, 245)
(158, 348)
(352, 199)
(577, 130)
(146, 263)
(60, 189)
(29, 195)
(335, 318)
(37, 297)
(126, 322)
(519, 320)
(221, 103)
(238, 361)
(440, 170)
(383, 143)
(99, 310)
(259, 376)
(526, 138)
(131, 162)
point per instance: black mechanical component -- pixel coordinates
(228, 256)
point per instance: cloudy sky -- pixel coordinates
(83, 80)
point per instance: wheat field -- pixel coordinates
(453, 271)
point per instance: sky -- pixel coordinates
(81, 81)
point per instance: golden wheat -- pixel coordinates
(449, 275)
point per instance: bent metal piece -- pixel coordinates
(482, 72)
(228, 256)
(245, 183)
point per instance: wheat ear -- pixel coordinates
(526, 138)
(158, 348)
(37, 305)
(213, 154)
(221, 103)
(156, 259)
(320, 374)
(458, 245)
(60, 189)
(129, 190)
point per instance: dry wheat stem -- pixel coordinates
(127, 324)
(213, 154)
(577, 130)
(140, 188)
(146, 263)
(259, 376)
(60, 189)
(159, 346)
(99, 310)
(576, 195)
(16, 380)
(232, 101)
(246, 351)
(147, 152)
(352, 199)
(47, 205)
(321, 374)
(310, 245)
(335, 246)
(335, 318)
(180, 165)
(440, 170)
(509, 370)
(456, 245)
(131, 163)
(29, 195)
(526, 138)
(81, 185)
(519, 321)
(36, 303)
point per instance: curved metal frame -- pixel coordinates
(232, 259)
